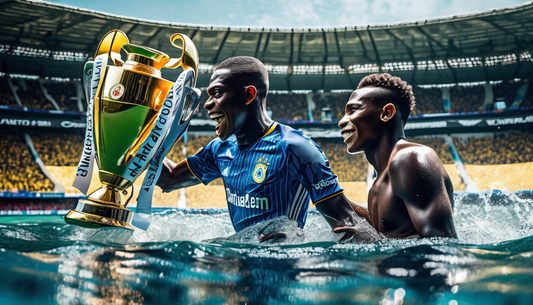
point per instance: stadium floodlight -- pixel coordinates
(525, 56)
(205, 68)
(301, 91)
(341, 91)
(397, 66)
(24, 76)
(334, 69)
(500, 60)
(366, 68)
(271, 69)
(43, 53)
(307, 69)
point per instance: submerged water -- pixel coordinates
(187, 258)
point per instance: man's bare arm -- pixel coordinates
(336, 209)
(175, 176)
(346, 217)
(418, 178)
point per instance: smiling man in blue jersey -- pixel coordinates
(269, 169)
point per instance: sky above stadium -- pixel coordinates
(289, 13)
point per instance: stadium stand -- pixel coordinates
(62, 92)
(502, 161)
(19, 172)
(335, 101)
(506, 91)
(6, 97)
(428, 100)
(467, 99)
(30, 94)
(287, 107)
(527, 102)
(58, 148)
(499, 149)
(346, 166)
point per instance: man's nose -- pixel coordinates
(343, 122)
(209, 103)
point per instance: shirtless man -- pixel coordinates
(412, 196)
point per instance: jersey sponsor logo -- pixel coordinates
(116, 91)
(247, 201)
(323, 184)
(260, 170)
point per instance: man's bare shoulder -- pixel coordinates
(409, 154)
(414, 165)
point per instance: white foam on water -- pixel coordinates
(485, 222)
(488, 223)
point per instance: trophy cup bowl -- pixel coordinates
(126, 105)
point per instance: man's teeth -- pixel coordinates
(345, 135)
(218, 117)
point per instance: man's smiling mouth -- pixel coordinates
(347, 134)
(219, 118)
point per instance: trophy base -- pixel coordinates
(90, 214)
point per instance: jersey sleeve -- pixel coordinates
(308, 162)
(203, 164)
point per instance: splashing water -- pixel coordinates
(196, 258)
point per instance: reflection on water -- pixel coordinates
(197, 259)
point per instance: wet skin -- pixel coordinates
(412, 195)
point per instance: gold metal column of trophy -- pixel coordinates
(128, 98)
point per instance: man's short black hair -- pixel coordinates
(405, 100)
(246, 70)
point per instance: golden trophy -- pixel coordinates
(131, 112)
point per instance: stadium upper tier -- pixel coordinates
(486, 46)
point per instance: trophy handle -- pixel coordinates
(111, 44)
(189, 56)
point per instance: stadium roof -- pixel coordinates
(52, 40)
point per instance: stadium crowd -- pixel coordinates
(32, 96)
(62, 93)
(6, 97)
(58, 148)
(19, 172)
(499, 149)
(506, 91)
(467, 99)
(347, 167)
(287, 107)
(428, 100)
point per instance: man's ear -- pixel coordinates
(251, 93)
(389, 111)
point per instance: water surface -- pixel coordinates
(196, 258)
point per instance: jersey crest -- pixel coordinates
(260, 170)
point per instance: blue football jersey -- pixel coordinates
(276, 175)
